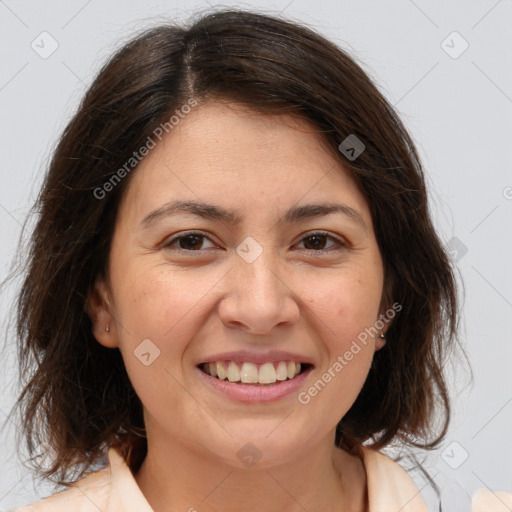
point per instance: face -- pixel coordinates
(260, 274)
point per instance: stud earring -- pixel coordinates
(107, 329)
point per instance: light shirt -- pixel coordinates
(114, 489)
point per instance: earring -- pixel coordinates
(382, 335)
(107, 329)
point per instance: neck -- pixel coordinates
(178, 477)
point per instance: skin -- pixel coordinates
(308, 299)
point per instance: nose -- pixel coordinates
(257, 298)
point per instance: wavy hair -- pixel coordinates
(76, 397)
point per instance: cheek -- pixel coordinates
(166, 307)
(343, 317)
(153, 301)
(346, 304)
(155, 310)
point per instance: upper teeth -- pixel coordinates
(249, 373)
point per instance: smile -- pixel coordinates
(252, 373)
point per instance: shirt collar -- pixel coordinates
(125, 494)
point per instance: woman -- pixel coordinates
(234, 286)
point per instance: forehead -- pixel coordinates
(233, 134)
(231, 154)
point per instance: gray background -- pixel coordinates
(457, 106)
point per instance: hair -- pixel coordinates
(76, 397)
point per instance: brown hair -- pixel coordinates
(77, 398)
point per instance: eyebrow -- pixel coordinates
(232, 217)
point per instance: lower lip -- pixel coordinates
(251, 393)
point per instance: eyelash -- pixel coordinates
(342, 245)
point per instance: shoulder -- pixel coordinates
(390, 487)
(90, 493)
(111, 489)
(485, 500)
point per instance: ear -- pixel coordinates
(385, 320)
(380, 342)
(386, 305)
(98, 306)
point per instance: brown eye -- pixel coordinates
(189, 242)
(192, 242)
(315, 242)
(318, 241)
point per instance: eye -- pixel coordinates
(317, 241)
(193, 242)
(187, 242)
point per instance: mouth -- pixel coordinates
(253, 374)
